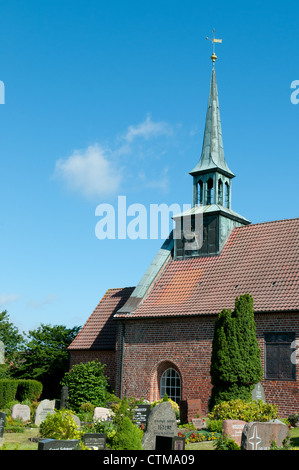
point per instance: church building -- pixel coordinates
(156, 338)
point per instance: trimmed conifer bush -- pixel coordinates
(236, 358)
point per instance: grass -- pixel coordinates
(20, 441)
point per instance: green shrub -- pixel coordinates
(14, 425)
(215, 425)
(87, 383)
(244, 410)
(28, 390)
(59, 425)
(127, 437)
(226, 443)
(8, 390)
(294, 420)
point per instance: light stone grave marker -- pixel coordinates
(233, 428)
(161, 422)
(22, 412)
(43, 409)
(101, 413)
(259, 436)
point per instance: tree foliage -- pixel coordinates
(86, 382)
(12, 339)
(45, 356)
(236, 358)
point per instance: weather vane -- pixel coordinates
(213, 56)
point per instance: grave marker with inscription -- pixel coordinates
(233, 428)
(57, 444)
(141, 414)
(22, 412)
(95, 441)
(161, 422)
(170, 443)
(43, 409)
(258, 392)
(259, 436)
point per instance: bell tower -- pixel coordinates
(212, 189)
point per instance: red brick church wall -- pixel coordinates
(107, 357)
(185, 344)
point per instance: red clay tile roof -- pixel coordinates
(259, 259)
(99, 332)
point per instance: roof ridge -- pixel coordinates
(267, 222)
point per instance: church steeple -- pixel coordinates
(211, 190)
(211, 176)
(212, 155)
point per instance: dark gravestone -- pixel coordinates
(141, 414)
(64, 398)
(95, 441)
(170, 443)
(2, 423)
(190, 409)
(57, 444)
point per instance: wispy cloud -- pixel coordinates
(47, 300)
(89, 171)
(6, 299)
(148, 129)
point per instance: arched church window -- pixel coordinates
(210, 191)
(200, 192)
(227, 201)
(220, 192)
(170, 383)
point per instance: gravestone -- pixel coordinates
(2, 424)
(2, 353)
(259, 436)
(161, 422)
(141, 414)
(170, 443)
(198, 423)
(233, 428)
(22, 412)
(43, 409)
(57, 444)
(190, 409)
(95, 441)
(101, 413)
(64, 397)
(258, 392)
(77, 420)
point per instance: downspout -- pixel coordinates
(122, 357)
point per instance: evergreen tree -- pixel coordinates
(236, 358)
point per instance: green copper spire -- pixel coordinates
(212, 155)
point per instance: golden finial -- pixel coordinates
(213, 56)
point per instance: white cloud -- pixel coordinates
(47, 300)
(89, 171)
(6, 299)
(148, 129)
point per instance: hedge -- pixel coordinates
(19, 390)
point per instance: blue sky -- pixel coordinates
(108, 98)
